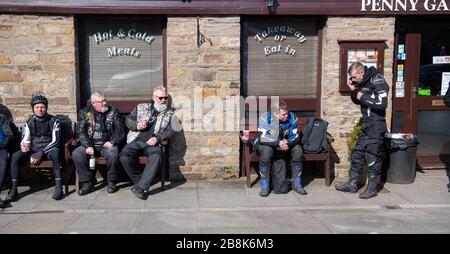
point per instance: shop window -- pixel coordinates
(434, 73)
(121, 56)
(369, 53)
(432, 131)
(280, 56)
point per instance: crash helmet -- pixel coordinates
(39, 98)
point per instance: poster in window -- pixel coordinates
(368, 53)
(445, 82)
(368, 57)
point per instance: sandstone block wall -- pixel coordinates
(37, 53)
(197, 73)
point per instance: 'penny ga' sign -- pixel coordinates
(404, 5)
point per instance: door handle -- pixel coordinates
(414, 92)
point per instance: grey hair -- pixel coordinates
(355, 67)
(159, 88)
(97, 94)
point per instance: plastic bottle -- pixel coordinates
(92, 162)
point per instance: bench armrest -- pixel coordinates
(67, 147)
(70, 146)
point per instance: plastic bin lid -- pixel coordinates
(395, 135)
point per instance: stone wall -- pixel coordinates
(338, 109)
(37, 53)
(194, 74)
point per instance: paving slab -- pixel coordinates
(103, 221)
(6, 219)
(45, 223)
(166, 223)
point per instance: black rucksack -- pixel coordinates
(66, 128)
(280, 184)
(314, 138)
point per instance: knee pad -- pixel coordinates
(264, 184)
(264, 169)
(297, 168)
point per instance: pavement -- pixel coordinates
(229, 207)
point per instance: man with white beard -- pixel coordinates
(149, 124)
(100, 130)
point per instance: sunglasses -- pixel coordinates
(162, 98)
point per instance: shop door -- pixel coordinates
(422, 77)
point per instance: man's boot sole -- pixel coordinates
(346, 190)
(367, 197)
(262, 194)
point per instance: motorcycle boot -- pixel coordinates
(264, 169)
(297, 168)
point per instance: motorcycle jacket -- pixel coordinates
(374, 101)
(94, 128)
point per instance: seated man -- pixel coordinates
(100, 130)
(149, 124)
(41, 139)
(6, 136)
(277, 133)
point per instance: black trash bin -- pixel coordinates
(402, 150)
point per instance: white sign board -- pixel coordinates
(441, 59)
(399, 92)
(445, 82)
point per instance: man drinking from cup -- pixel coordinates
(41, 139)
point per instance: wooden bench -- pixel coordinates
(66, 141)
(250, 157)
(142, 161)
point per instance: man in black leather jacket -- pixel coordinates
(6, 135)
(100, 130)
(370, 91)
(447, 103)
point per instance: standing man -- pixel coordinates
(370, 90)
(278, 133)
(41, 139)
(149, 124)
(100, 130)
(6, 135)
(447, 103)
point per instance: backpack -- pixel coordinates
(314, 138)
(14, 144)
(280, 184)
(66, 128)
